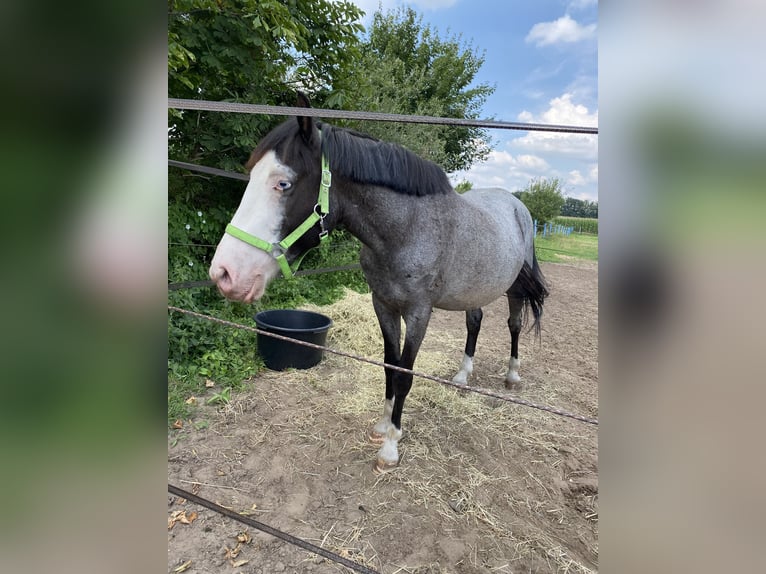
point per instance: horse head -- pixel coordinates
(280, 198)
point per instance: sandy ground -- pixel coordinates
(483, 485)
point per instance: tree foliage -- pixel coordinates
(263, 51)
(579, 208)
(407, 68)
(251, 51)
(544, 199)
(463, 186)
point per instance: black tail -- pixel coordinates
(531, 286)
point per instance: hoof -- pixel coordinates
(460, 379)
(375, 437)
(383, 466)
(513, 385)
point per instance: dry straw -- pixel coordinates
(451, 481)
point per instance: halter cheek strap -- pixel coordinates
(279, 250)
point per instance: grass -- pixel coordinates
(561, 248)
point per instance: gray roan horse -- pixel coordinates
(424, 245)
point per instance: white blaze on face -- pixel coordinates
(242, 271)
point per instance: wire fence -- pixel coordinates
(472, 389)
(239, 108)
(269, 530)
(208, 170)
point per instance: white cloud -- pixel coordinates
(532, 162)
(582, 185)
(575, 178)
(514, 172)
(562, 111)
(502, 169)
(584, 86)
(573, 158)
(564, 30)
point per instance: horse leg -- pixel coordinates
(515, 308)
(416, 320)
(472, 324)
(391, 326)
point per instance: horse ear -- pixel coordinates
(305, 123)
(303, 100)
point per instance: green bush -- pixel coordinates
(543, 198)
(200, 350)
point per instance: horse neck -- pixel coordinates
(372, 214)
(382, 218)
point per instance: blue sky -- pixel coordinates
(541, 56)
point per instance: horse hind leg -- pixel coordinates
(529, 288)
(473, 325)
(516, 309)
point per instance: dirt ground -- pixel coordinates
(482, 486)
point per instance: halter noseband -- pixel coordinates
(278, 250)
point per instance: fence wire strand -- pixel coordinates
(269, 530)
(478, 390)
(208, 170)
(206, 105)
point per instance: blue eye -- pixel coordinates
(283, 185)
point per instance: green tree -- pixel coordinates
(407, 68)
(579, 208)
(463, 186)
(544, 199)
(251, 51)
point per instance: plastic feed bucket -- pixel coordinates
(305, 326)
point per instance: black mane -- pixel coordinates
(364, 159)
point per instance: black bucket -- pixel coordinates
(302, 325)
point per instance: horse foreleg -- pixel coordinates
(416, 320)
(391, 327)
(379, 430)
(472, 325)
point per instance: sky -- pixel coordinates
(541, 57)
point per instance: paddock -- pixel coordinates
(484, 485)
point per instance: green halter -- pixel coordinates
(278, 250)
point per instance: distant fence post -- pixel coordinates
(535, 222)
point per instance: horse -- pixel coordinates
(424, 245)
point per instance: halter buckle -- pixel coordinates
(326, 178)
